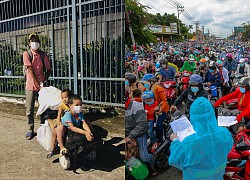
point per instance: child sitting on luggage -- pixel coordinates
(151, 106)
(65, 95)
(73, 122)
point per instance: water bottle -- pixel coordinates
(214, 91)
(9, 73)
(5, 72)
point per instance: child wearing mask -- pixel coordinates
(73, 122)
(151, 106)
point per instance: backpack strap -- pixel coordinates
(42, 55)
(30, 55)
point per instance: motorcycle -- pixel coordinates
(184, 81)
(170, 87)
(160, 158)
(214, 92)
(238, 163)
(238, 159)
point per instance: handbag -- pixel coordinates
(44, 136)
(131, 149)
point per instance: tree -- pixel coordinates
(246, 32)
(137, 18)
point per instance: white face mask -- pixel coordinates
(77, 109)
(164, 65)
(34, 45)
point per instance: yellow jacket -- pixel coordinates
(171, 64)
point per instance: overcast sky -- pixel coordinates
(219, 16)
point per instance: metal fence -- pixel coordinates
(84, 40)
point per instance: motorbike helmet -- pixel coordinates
(244, 82)
(195, 79)
(219, 63)
(211, 53)
(207, 58)
(157, 65)
(130, 77)
(242, 60)
(212, 65)
(191, 57)
(203, 60)
(148, 94)
(149, 77)
(163, 61)
(176, 52)
(229, 55)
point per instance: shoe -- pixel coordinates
(30, 135)
(50, 154)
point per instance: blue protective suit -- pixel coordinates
(203, 155)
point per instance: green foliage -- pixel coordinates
(137, 18)
(246, 32)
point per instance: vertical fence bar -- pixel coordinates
(74, 31)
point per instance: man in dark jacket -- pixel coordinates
(136, 126)
(194, 91)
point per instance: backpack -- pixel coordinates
(42, 55)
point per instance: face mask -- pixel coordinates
(34, 45)
(164, 65)
(211, 70)
(126, 83)
(146, 86)
(150, 102)
(207, 63)
(241, 65)
(194, 89)
(242, 90)
(77, 109)
(190, 62)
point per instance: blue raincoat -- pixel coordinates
(203, 155)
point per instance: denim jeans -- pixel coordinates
(151, 131)
(159, 128)
(143, 149)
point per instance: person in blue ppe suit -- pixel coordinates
(202, 155)
(212, 77)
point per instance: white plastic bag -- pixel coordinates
(44, 136)
(49, 98)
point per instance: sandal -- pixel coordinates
(30, 135)
(50, 154)
(63, 151)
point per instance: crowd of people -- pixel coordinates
(219, 65)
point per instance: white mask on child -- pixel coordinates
(34, 45)
(77, 109)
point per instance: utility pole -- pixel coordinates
(202, 27)
(196, 29)
(180, 9)
(208, 33)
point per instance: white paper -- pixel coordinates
(186, 132)
(182, 127)
(227, 120)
